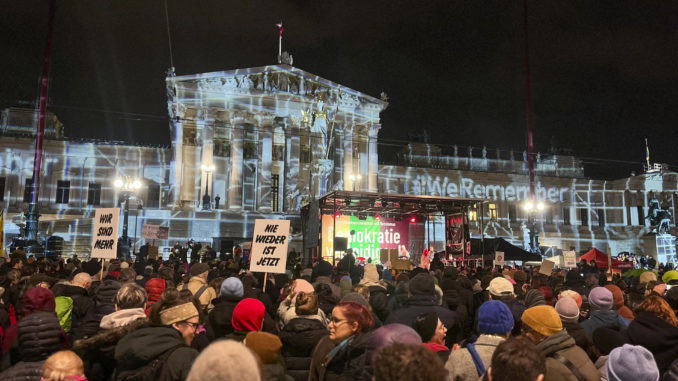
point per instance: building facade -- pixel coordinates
(261, 142)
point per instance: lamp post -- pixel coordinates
(354, 179)
(127, 186)
(532, 210)
(207, 199)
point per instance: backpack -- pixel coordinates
(197, 294)
(151, 371)
(64, 311)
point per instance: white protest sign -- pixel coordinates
(269, 246)
(570, 259)
(498, 258)
(546, 267)
(105, 236)
(154, 231)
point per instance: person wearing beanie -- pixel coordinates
(533, 298)
(604, 340)
(432, 332)
(631, 363)
(501, 289)
(423, 300)
(569, 315)
(378, 296)
(211, 365)
(267, 347)
(346, 285)
(542, 325)
(602, 313)
(574, 295)
(323, 274)
(154, 289)
(219, 318)
(495, 322)
(618, 297)
(197, 284)
(248, 316)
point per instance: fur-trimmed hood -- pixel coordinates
(108, 337)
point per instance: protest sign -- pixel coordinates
(105, 236)
(570, 259)
(546, 267)
(269, 246)
(498, 258)
(154, 231)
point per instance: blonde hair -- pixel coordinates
(63, 366)
(362, 290)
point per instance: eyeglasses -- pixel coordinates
(336, 321)
(193, 325)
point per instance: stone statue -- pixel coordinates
(456, 150)
(470, 151)
(484, 152)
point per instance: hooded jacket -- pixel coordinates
(420, 304)
(564, 345)
(154, 289)
(142, 346)
(657, 336)
(600, 319)
(299, 336)
(219, 319)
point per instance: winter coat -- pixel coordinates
(517, 310)
(601, 365)
(600, 319)
(420, 304)
(578, 334)
(299, 336)
(219, 319)
(195, 284)
(398, 297)
(40, 335)
(103, 305)
(276, 372)
(98, 352)
(336, 291)
(564, 345)
(460, 365)
(347, 364)
(143, 345)
(82, 302)
(24, 371)
(379, 301)
(658, 336)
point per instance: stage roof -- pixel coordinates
(390, 204)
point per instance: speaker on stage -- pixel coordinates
(340, 243)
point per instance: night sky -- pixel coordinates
(604, 73)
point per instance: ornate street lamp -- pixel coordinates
(127, 186)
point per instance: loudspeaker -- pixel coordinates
(340, 243)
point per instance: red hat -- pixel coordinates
(248, 315)
(38, 299)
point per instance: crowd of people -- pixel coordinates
(211, 319)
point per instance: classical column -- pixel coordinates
(177, 167)
(292, 152)
(373, 157)
(235, 186)
(348, 157)
(265, 163)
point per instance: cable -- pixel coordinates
(169, 37)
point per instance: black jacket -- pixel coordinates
(219, 319)
(578, 334)
(82, 302)
(420, 304)
(23, 371)
(98, 352)
(658, 336)
(348, 364)
(299, 336)
(40, 335)
(379, 301)
(142, 346)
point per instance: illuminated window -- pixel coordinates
(94, 194)
(28, 190)
(584, 216)
(275, 185)
(512, 213)
(473, 215)
(601, 217)
(2, 189)
(493, 212)
(566, 216)
(63, 191)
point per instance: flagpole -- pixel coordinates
(647, 154)
(280, 32)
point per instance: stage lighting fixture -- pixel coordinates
(413, 219)
(377, 217)
(337, 215)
